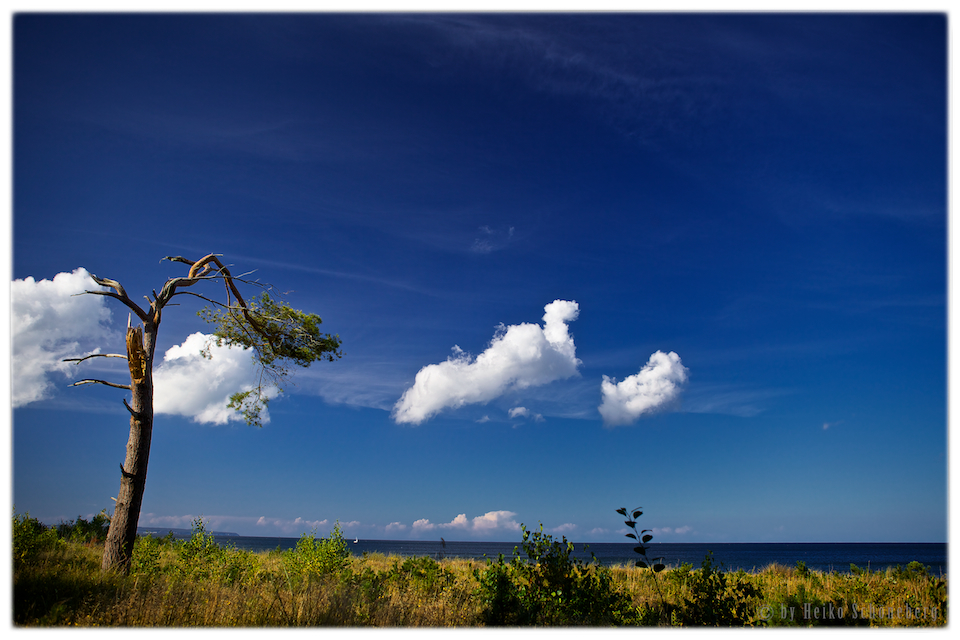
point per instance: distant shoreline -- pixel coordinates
(142, 531)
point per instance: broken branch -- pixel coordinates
(95, 355)
(109, 384)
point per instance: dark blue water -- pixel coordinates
(733, 556)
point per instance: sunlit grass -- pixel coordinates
(198, 583)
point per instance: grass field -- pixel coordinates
(196, 582)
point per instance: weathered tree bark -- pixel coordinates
(118, 549)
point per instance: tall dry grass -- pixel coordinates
(59, 583)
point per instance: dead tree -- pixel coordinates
(274, 332)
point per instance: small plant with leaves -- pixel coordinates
(643, 537)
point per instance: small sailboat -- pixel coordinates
(356, 541)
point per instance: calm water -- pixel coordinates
(746, 556)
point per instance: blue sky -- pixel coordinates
(695, 263)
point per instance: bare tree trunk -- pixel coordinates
(122, 534)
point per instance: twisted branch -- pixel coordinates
(119, 294)
(199, 270)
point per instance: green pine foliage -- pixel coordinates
(277, 335)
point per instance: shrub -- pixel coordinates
(146, 554)
(550, 587)
(716, 598)
(31, 538)
(317, 556)
(201, 558)
(80, 530)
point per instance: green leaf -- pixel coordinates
(622, 511)
(630, 535)
(641, 564)
(630, 523)
(659, 567)
(637, 514)
(647, 538)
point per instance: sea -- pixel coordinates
(822, 556)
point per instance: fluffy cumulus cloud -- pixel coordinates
(188, 384)
(656, 385)
(50, 323)
(489, 523)
(395, 527)
(519, 356)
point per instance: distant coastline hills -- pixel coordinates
(178, 533)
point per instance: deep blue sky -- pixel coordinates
(763, 195)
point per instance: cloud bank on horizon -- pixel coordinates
(519, 356)
(490, 522)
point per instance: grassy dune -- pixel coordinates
(57, 582)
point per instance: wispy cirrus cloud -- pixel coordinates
(640, 88)
(734, 400)
(519, 356)
(489, 240)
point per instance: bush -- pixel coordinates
(82, 531)
(550, 587)
(201, 558)
(717, 599)
(317, 556)
(31, 538)
(146, 554)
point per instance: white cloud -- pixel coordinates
(657, 384)
(523, 412)
(563, 529)
(298, 525)
(519, 356)
(395, 527)
(51, 323)
(488, 523)
(188, 384)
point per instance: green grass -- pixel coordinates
(58, 582)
